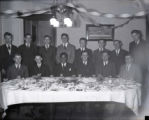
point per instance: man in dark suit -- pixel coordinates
(28, 52)
(48, 53)
(106, 68)
(67, 48)
(64, 68)
(17, 70)
(97, 54)
(7, 52)
(39, 68)
(83, 47)
(85, 67)
(118, 55)
(138, 43)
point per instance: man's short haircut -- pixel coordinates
(137, 32)
(120, 42)
(102, 40)
(64, 34)
(85, 51)
(48, 36)
(17, 54)
(27, 34)
(8, 34)
(65, 54)
(38, 55)
(83, 39)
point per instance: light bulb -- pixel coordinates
(68, 22)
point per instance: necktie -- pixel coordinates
(9, 49)
(117, 52)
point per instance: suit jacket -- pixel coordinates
(69, 70)
(133, 47)
(28, 55)
(43, 70)
(78, 54)
(107, 70)
(70, 50)
(6, 59)
(85, 70)
(13, 72)
(119, 59)
(134, 73)
(97, 56)
(49, 57)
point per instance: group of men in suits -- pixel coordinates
(66, 60)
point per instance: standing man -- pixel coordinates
(83, 47)
(28, 52)
(118, 55)
(137, 43)
(48, 53)
(67, 48)
(7, 52)
(97, 54)
(17, 70)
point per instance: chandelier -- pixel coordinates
(62, 16)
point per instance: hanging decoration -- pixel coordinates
(63, 12)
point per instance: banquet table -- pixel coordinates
(70, 89)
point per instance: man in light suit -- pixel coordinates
(130, 70)
(85, 66)
(118, 55)
(106, 68)
(48, 53)
(83, 47)
(17, 70)
(67, 48)
(64, 68)
(7, 52)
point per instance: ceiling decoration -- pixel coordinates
(60, 13)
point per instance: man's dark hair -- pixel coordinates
(27, 34)
(85, 51)
(120, 42)
(8, 34)
(64, 34)
(83, 39)
(137, 32)
(48, 36)
(38, 54)
(102, 40)
(17, 54)
(65, 54)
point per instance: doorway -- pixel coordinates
(39, 29)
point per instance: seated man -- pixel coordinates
(39, 68)
(85, 67)
(129, 70)
(106, 68)
(17, 70)
(64, 68)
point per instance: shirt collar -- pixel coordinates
(27, 44)
(101, 49)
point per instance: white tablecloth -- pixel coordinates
(130, 96)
